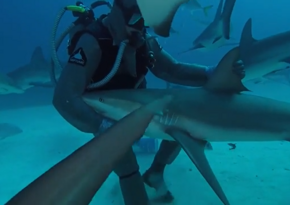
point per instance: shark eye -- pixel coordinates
(101, 99)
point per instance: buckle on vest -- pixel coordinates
(151, 60)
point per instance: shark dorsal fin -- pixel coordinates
(37, 55)
(219, 11)
(224, 79)
(247, 37)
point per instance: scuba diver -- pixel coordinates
(114, 51)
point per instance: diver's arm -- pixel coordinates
(170, 70)
(77, 178)
(72, 83)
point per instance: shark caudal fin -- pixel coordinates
(206, 9)
(226, 17)
(159, 14)
(8, 130)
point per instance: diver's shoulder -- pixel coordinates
(88, 42)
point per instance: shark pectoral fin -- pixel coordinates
(216, 39)
(196, 46)
(159, 14)
(194, 148)
(223, 78)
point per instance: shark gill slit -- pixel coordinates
(168, 119)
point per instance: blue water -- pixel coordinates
(254, 173)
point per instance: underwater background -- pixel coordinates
(253, 173)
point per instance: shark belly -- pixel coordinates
(212, 133)
(215, 133)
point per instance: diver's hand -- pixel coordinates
(239, 68)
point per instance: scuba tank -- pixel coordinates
(85, 16)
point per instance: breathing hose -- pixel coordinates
(55, 44)
(114, 70)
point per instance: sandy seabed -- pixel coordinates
(252, 174)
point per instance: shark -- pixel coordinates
(223, 110)
(35, 73)
(265, 57)
(217, 33)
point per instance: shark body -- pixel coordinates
(35, 73)
(217, 32)
(7, 85)
(217, 112)
(263, 56)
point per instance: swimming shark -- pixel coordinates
(35, 73)
(265, 56)
(222, 110)
(217, 32)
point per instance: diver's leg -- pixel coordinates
(153, 177)
(130, 179)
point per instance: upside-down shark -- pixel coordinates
(222, 110)
(217, 32)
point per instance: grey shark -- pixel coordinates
(217, 32)
(265, 56)
(35, 73)
(220, 111)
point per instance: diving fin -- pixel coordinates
(194, 148)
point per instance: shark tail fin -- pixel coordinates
(206, 9)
